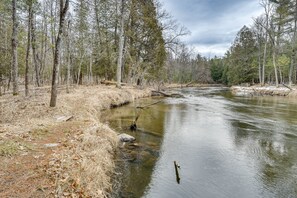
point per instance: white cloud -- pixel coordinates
(213, 23)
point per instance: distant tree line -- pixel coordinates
(265, 53)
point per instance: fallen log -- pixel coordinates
(173, 95)
(287, 86)
(107, 82)
(187, 85)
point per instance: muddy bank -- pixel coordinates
(64, 151)
(264, 91)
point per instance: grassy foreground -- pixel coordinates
(43, 155)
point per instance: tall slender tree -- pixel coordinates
(54, 91)
(30, 13)
(14, 44)
(121, 45)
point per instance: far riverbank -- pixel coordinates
(257, 90)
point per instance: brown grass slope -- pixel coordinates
(80, 163)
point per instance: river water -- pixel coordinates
(226, 146)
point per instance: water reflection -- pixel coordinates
(269, 140)
(226, 146)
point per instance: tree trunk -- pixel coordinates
(259, 62)
(274, 65)
(68, 58)
(291, 68)
(28, 48)
(35, 56)
(53, 26)
(91, 70)
(14, 43)
(121, 46)
(264, 57)
(79, 69)
(45, 35)
(63, 11)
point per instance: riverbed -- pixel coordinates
(225, 145)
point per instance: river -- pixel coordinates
(226, 146)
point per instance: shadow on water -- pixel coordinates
(136, 160)
(226, 146)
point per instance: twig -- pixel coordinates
(176, 166)
(143, 107)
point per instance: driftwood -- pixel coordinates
(133, 126)
(107, 82)
(187, 85)
(176, 166)
(64, 118)
(287, 86)
(173, 95)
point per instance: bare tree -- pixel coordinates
(121, 46)
(28, 47)
(63, 12)
(34, 51)
(68, 58)
(14, 43)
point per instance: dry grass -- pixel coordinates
(96, 160)
(8, 148)
(84, 167)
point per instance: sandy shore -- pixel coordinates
(63, 151)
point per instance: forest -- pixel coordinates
(264, 53)
(64, 43)
(84, 42)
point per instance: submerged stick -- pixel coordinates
(133, 126)
(143, 107)
(176, 166)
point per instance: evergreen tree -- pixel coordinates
(242, 60)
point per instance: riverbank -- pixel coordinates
(264, 91)
(63, 151)
(174, 85)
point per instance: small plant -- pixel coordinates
(38, 133)
(10, 148)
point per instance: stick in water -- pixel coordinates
(176, 166)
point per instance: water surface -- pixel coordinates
(226, 146)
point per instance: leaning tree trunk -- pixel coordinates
(14, 43)
(63, 11)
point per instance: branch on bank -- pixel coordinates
(172, 95)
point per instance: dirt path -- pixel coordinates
(42, 156)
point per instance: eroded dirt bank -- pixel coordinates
(63, 151)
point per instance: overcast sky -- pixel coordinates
(213, 23)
